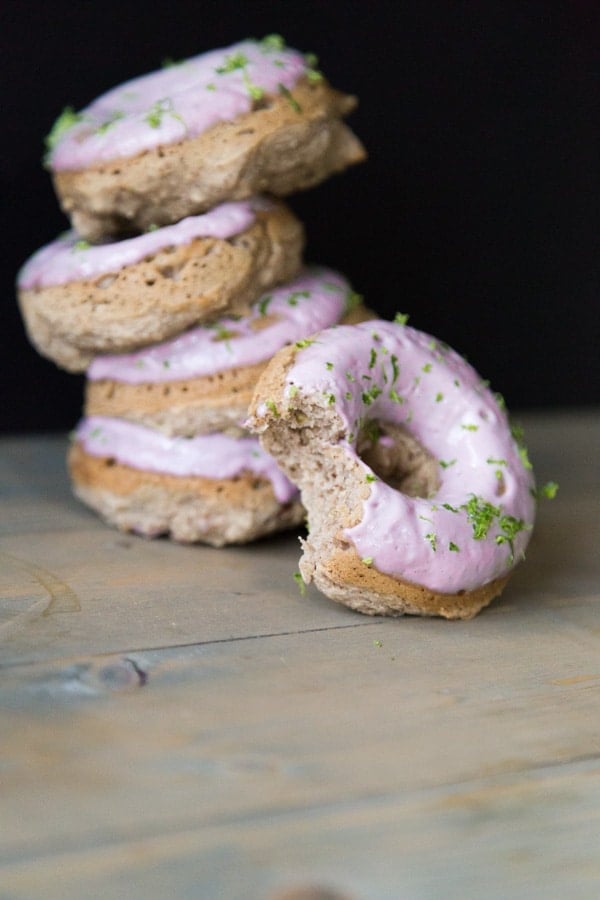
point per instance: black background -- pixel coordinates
(474, 212)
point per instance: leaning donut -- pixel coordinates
(419, 499)
(79, 300)
(225, 125)
(202, 381)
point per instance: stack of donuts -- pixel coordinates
(182, 276)
(231, 389)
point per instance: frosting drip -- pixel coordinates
(175, 103)
(209, 456)
(478, 524)
(69, 259)
(309, 303)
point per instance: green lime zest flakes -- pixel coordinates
(300, 582)
(395, 368)
(348, 395)
(152, 227)
(311, 61)
(453, 547)
(81, 245)
(372, 394)
(450, 508)
(373, 358)
(525, 457)
(352, 300)
(272, 407)
(232, 63)
(350, 376)
(67, 119)
(263, 304)
(456, 383)
(222, 333)
(439, 397)
(370, 478)
(272, 42)
(254, 90)
(289, 97)
(481, 513)
(211, 86)
(293, 390)
(295, 296)
(510, 526)
(329, 366)
(469, 427)
(158, 110)
(550, 490)
(330, 399)
(427, 368)
(305, 342)
(115, 116)
(170, 63)
(367, 560)
(431, 536)
(372, 431)
(518, 436)
(496, 462)
(395, 396)
(445, 464)
(401, 318)
(166, 364)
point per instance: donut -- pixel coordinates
(78, 300)
(224, 125)
(419, 498)
(213, 488)
(202, 381)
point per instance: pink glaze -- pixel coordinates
(391, 373)
(313, 301)
(210, 456)
(69, 259)
(175, 103)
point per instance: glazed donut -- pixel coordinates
(224, 125)
(213, 488)
(202, 381)
(419, 499)
(79, 300)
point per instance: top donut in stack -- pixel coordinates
(226, 125)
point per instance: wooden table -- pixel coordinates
(178, 722)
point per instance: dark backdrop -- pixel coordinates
(473, 212)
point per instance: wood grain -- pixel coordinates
(180, 722)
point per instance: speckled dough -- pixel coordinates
(187, 509)
(163, 294)
(277, 148)
(351, 470)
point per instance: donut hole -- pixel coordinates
(398, 458)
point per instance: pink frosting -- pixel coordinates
(210, 456)
(392, 373)
(175, 103)
(316, 299)
(69, 259)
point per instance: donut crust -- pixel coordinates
(187, 509)
(279, 147)
(163, 294)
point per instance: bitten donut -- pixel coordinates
(203, 380)
(214, 489)
(224, 125)
(419, 500)
(78, 300)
